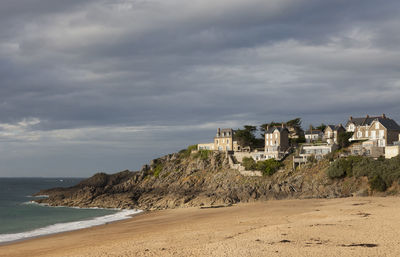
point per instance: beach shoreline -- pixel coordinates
(365, 226)
(59, 228)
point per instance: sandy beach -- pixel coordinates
(315, 227)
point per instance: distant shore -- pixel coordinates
(366, 226)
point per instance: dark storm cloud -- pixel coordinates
(163, 74)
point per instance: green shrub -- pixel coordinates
(339, 168)
(344, 166)
(185, 153)
(270, 166)
(381, 173)
(377, 183)
(202, 154)
(157, 170)
(249, 163)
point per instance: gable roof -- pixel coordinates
(334, 127)
(313, 132)
(389, 124)
(364, 120)
(272, 129)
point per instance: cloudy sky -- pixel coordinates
(107, 85)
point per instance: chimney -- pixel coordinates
(282, 125)
(267, 128)
(351, 118)
(383, 116)
(367, 116)
(218, 132)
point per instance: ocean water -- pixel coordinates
(21, 219)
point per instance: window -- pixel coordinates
(359, 134)
(223, 141)
(267, 142)
(373, 134)
(276, 135)
(381, 133)
(366, 133)
(376, 125)
(217, 141)
(227, 141)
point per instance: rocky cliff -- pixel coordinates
(199, 179)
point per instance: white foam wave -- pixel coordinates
(37, 196)
(69, 226)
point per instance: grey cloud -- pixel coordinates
(88, 65)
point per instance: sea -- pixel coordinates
(21, 218)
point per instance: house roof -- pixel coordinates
(364, 120)
(334, 127)
(226, 130)
(313, 132)
(389, 123)
(280, 129)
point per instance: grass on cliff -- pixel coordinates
(185, 153)
(381, 173)
(202, 154)
(157, 170)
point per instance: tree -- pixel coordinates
(296, 123)
(343, 139)
(246, 136)
(321, 127)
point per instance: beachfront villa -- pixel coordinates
(276, 142)
(223, 142)
(373, 136)
(381, 129)
(332, 133)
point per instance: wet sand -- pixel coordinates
(315, 227)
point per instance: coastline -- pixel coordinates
(57, 228)
(365, 226)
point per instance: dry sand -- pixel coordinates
(334, 227)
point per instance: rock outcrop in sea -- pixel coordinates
(185, 179)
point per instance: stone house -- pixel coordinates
(381, 129)
(223, 141)
(276, 142)
(332, 132)
(375, 134)
(384, 131)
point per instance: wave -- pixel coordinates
(69, 226)
(37, 196)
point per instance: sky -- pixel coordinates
(92, 86)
